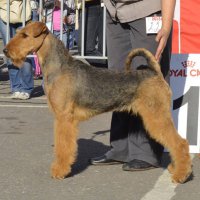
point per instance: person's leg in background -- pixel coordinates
(3, 65)
(100, 30)
(3, 31)
(35, 15)
(21, 80)
(70, 36)
(93, 30)
(64, 36)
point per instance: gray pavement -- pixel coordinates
(26, 152)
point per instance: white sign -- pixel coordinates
(153, 24)
(185, 84)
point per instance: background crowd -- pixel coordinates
(68, 29)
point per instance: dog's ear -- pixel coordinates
(35, 29)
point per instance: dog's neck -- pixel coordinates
(44, 51)
(52, 55)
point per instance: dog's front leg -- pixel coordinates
(65, 146)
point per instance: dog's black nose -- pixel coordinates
(5, 51)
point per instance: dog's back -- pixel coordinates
(103, 89)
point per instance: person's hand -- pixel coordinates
(161, 38)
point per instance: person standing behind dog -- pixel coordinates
(52, 13)
(21, 80)
(70, 20)
(126, 29)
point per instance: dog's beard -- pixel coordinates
(18, 62)
(17, 59)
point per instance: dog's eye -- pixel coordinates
(24, 35)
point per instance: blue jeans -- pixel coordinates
(21, 80)
(70, 36)
(35, 15)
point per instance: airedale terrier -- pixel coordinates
(77, 91)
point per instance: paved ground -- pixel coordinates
(26, 139)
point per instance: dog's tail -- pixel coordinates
(151, 61)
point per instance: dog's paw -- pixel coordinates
(181, 177)
(171, 168)
(59, 172)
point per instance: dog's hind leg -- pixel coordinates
(160, 126)
(154, 108)
(65, 146)
(163, 131)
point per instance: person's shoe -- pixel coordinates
(3, 66)
(15, 95)
(24, 96)
(137, 165)
(3, 69)
(103, 160)
(1, 62)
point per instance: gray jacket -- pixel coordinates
(130, 10)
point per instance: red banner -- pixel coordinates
(187, 27)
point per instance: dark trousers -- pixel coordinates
(128, 138)
(93, 41)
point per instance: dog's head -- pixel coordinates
(27, 40)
